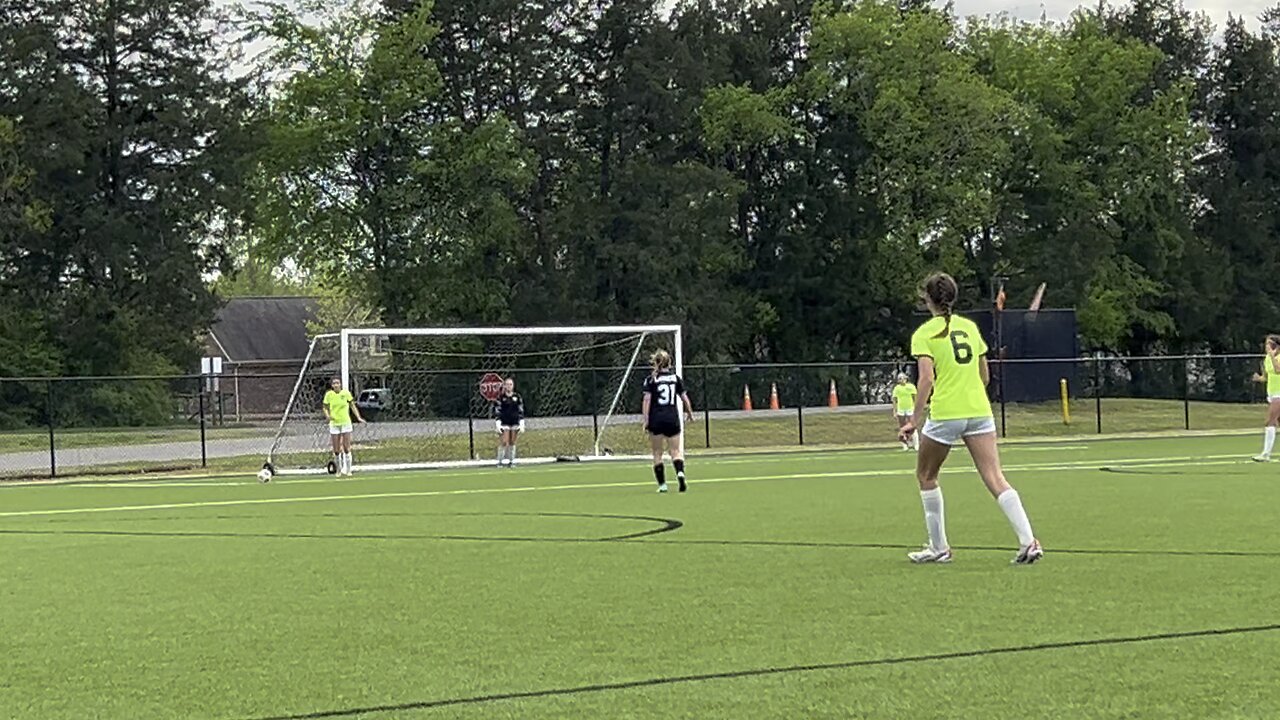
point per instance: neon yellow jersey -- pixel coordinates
(904, 398)
(1273, 377)
(339, 404)
(958, 390)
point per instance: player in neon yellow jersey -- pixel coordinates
(1271, 376)
(953, 378)
(338, 405)
(904, 402)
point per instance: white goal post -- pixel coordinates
(427, 394)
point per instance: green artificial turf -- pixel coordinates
(783, 592)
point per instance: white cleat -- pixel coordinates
(929, 555)
(1029, 554)
(1262, 458)
(662, 488)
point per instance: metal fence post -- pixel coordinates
(1097, 390)
(471, 436)
(1004, 421)
(706, 406)
(800, 421)
(53, 450)
(595, 412)
(204, 451)
(1186, 392)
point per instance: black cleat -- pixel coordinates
(683, 486)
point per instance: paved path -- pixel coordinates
(187, 452)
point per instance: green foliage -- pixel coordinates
(361, 186)
(775, 175)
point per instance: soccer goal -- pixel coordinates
(427, 394)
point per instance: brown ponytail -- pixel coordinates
(941, 291)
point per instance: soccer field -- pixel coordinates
(776, 588)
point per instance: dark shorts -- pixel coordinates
(664, 427)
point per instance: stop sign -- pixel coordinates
(491, 386)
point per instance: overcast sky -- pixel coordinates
(1060, 9)
(1217, 10)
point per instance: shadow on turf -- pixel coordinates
(759, 672)
(1138, 471)
(665, 525)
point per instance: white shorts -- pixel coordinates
(906, 414)
(505, 428)
(339, 429)
(1273, 398)
(952, 432)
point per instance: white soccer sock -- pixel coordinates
(1011, 504)
(511, 451)
(915, 440)
(934, 521)
(1270, 440)
(502, 453)
(349, 462)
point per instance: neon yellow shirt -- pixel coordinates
(1273, 377)
(958, 390)
(904, 398)
(339, 404)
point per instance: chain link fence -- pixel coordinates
(55, 427)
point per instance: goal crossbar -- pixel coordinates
(347, 333)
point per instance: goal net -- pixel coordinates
(427, 394)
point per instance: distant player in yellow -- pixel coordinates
(953, 385)
(1271, 376)
(338, 408)
(904, 403)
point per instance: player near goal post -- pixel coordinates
(664, 393)
(508, 413)
(339, 405)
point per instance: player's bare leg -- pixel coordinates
(336, 440)
(1269, 434)
(511, 447)
(675, 447)
(902, 420)
(344, 466)
(986, 458)
(928, 464)
(659, 470)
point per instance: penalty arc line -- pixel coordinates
(769, 671)
(888, 472)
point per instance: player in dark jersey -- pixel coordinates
(664, 394)
(508, 412)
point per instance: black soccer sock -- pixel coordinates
(660, 472)
(679, 465)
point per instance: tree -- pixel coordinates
(131, 131)
(361, 184)
(1097, 198)
(1241, 221)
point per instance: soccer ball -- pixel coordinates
(264, 475)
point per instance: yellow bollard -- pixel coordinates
(1066, 405)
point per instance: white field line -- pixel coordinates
(483, 473)
(1133, 462)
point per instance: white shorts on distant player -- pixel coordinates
(518, 427)
(339, 429)
(953, 432)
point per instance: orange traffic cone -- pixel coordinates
(833, 400)
(773, 397)
(746, 398)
